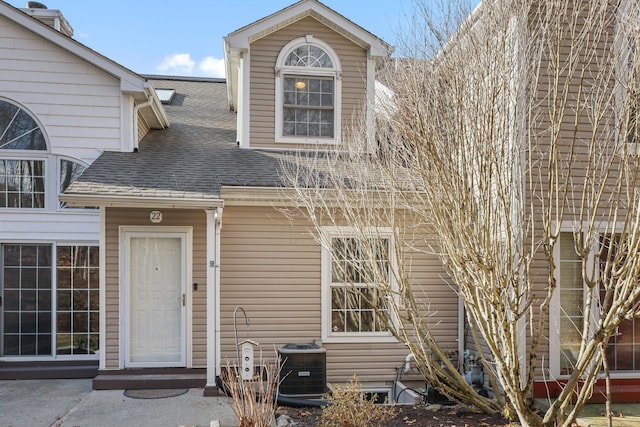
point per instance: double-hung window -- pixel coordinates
(356, 285)
(307, 92)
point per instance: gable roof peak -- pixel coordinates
(242, 37)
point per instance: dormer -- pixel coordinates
(297, 77)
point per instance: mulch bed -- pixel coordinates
(411, 415)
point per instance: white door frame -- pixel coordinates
(186, 236)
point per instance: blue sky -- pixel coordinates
(184, 37)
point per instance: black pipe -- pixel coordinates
(299, 402)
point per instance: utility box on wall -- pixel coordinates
(303, 371)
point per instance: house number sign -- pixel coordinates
(155, 217)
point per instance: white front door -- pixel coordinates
(156, 299)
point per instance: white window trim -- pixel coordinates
(325, 261)
(335, 72)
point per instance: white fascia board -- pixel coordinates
(241, 38)
(130, 81)
(156, 106)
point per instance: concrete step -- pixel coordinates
(149, 379)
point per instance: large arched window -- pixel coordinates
(307, 92)
(18, 130)
(22, 179)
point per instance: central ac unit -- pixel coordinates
(303, 371)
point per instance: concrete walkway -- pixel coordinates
(624, 415)
(63, 403)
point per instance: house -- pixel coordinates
(61, 106)
(196, 212)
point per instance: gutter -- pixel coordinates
(84, 200)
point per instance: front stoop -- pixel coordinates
(152, 378)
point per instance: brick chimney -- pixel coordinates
(51, 17)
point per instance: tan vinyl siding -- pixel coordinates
(116, 217)
(264, 53)
(270, 266)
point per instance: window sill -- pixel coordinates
(306, 140)
(357, 339)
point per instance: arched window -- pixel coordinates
(307, 92)
(22, 180)
(18, 130)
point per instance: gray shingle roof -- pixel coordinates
(193, 158)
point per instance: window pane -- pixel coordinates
(64, 299)
(367, 324)
(64, 278)
(63, 343)
(289, 99)
(327, 86)
(28, 300)
(11, 344)
(289, 129)
(302, 98)
(44, 323)
(301, 129)
(80, 300)
(94, 301)
(80, 322)
(314, 99)
(326, 100)
(63, 322)
(314, 86)
(12, 323)
(337, 321)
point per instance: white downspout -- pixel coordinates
(214, 225)
(136, 109)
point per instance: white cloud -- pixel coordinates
(179, 63)
(212, 67)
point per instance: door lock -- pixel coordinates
(184, 300)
